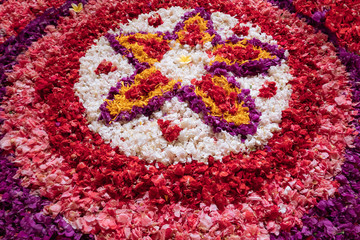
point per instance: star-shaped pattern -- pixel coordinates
(217, 96)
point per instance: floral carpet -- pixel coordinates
(179, 119)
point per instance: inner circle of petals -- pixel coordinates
(214, 104)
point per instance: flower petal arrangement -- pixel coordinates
(178, 120)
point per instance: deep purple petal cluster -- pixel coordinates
(339, 217)
(20, 211)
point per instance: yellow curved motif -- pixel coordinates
(242, 114)
(120, 103)
(206, 37)
(137, 49)
(243, 43)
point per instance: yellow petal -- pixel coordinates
(185, 59)
(77, 8)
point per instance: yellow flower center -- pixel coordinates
(77, 8)
(185, 59)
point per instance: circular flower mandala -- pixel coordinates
(250, 93)
(202, 87)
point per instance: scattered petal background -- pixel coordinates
(339, 217)
(336, 218)
(21, 214)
